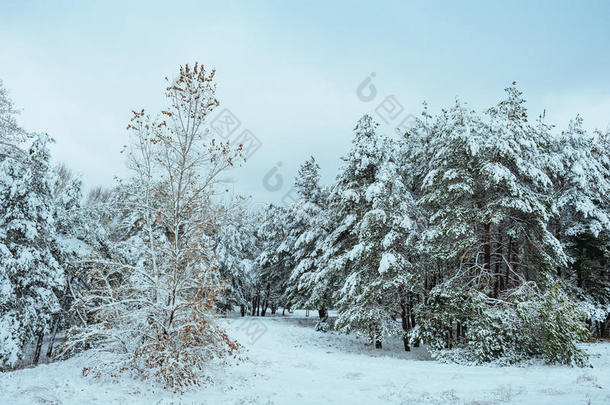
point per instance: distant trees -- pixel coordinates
(236, 248)
(11, 134)
(274, 261)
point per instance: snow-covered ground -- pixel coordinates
(289, 363)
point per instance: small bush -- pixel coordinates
(467, 327)
(553, 325)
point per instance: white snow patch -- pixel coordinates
(289, 363)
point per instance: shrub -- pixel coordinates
(553, 325)
(468, 327)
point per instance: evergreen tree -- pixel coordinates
(75, 242)
(30, 276)
(368, 250)
(490, 198)
(236, 250)
(304, 288)
(581, 187)
(274, 260)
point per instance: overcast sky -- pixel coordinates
(289, 71)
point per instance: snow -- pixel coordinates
(289, 363)
(74, 245)
(387, 260)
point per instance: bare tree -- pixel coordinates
(156, 309)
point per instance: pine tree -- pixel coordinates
(236, 250)
(75, 241)
(581, 178)
(490, 197)
(30, 276)
(274, 260)
(304, 288)
(368, 250)
(490, 194)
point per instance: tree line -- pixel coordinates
(484, 235)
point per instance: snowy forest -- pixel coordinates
(482, 237)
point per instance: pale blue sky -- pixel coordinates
(289, 70)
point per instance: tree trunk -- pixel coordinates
(266, 300)
(257, 302)
(508, 264)
(38, 347)
(603, 329)
(265, 306)
(58, 318)
(578, 268)
(242, 310)
(53, 335)
(411, 304)
(498, 262)
(377, 344)
(515, 266)
(487, 265)
(404, 319)
(558, 236)
(322, 314)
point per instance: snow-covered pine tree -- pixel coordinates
(603, 327)
(491, 199)
(236, 250)
(274, 260)
(519, 202)
(553, 324)
(30, 276)
(73, 232)
(367, 253)
(448, 189)
(581, 187)
(414, 152)
(581, 182)
(305, 289)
